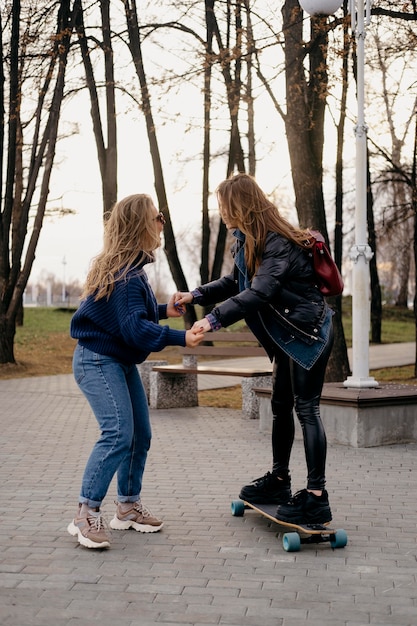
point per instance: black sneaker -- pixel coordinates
(306, 508)
(267, 489)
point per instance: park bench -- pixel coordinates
(360, 418)
(173, 386)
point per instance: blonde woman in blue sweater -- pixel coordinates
(117, 326)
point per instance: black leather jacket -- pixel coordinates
(282, 297)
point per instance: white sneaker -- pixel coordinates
(90, 530)
(137, 517)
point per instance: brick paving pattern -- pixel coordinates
(205, 567)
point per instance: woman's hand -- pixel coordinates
(181, 298)
(193, 338)
(201, 326)
(174, 309)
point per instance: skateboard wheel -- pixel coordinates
(238, 508)
(291, 542)
(339, 539)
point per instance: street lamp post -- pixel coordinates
(360, 253)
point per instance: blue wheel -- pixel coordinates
(238, 508)
(339, 539)
(291, 542)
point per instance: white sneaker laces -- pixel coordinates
(96, 520)
(141, 508)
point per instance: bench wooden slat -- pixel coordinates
(224, 351)
(249, 345)
(243, 372)
(238, 336)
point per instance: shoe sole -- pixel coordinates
(118, 524)
(304, 522)
(85, 541)
(258, 500)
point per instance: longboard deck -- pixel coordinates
(302, 533)
(268, 510)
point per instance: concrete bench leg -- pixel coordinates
(265, 415)
(170, 391)
(145, 369)
(250, 402)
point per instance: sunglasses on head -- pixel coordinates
(160, 218)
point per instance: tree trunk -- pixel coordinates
(304, 120)
(110, 179)
(403, 242)
(249, 93)
(233, 88)
(8, 200)
(339, 352)
(7, 334)
(304, 124)
(376, 299)
(206, 232)
(338, 228)
(170, 244)
(107, 155)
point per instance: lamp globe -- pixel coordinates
(320, 7)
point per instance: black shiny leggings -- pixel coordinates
(295, 387)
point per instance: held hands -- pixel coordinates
(201, 326)
(193, 338)
(174, 308)
(180, 299)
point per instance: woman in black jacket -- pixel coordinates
(273, 288)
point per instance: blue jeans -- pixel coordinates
(116, 395)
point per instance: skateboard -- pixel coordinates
(291, 541)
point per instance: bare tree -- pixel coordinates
(106, 150)
(29, 147)
(207, 103)
(230, 55)
(304, 123)
(135, 47)
(392, 63)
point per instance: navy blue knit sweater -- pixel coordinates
(125, 326)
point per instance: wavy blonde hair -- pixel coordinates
(243, 204)
(130, 237)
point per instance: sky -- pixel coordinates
(67, 244)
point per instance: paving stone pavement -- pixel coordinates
(205, 567)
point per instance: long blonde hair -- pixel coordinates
(130, 237)
(244, 205)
